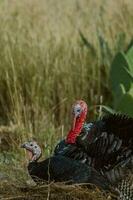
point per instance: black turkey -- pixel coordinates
(108, 141)
(61, 169)
(102, 143)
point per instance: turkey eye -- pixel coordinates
(31, 145)
(78, 110)
(35, 146)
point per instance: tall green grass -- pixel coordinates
(45, 63)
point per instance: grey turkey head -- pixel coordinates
(33, 149)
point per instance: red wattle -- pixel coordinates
(73, 133)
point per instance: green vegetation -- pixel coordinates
(51, 53)
(121, 76)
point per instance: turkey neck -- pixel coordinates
(76, 130)
(33, 167)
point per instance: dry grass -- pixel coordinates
(44, 65)
(10, 191)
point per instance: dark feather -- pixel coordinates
(106, 139)
(120, 125)
(63, 169)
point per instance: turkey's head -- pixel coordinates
(33, 149)
(79, 113)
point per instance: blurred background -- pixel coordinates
(53, 53)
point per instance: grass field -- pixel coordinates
(45, 64)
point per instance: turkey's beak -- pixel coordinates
(23, 145)
(29, 152)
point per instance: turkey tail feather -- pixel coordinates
(120, 125)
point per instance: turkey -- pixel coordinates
(105, 144)
(60, 169)
(102, 143)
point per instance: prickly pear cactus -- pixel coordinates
(121, 78)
